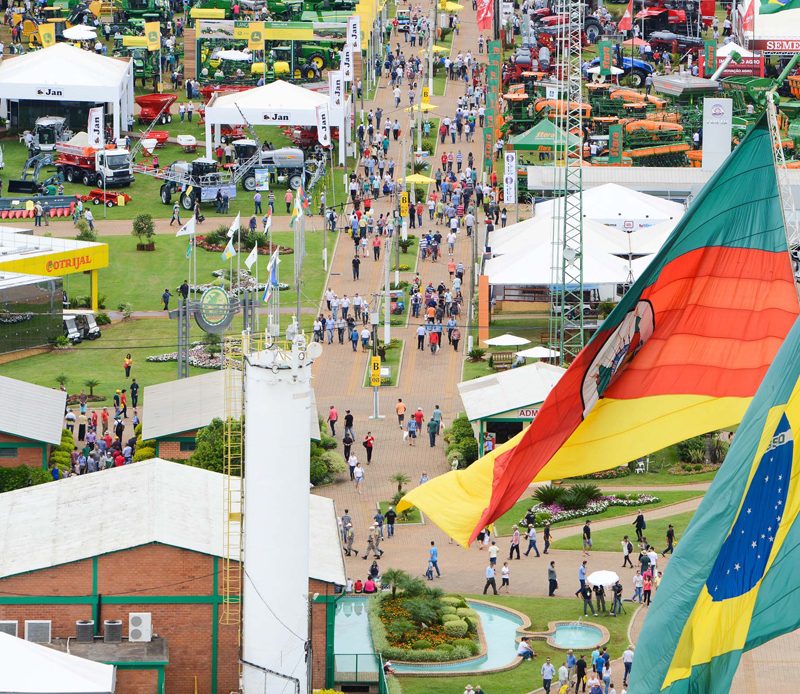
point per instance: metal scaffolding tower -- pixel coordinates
(566, 291)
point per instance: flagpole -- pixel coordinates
(258, 323)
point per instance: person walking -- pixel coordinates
(616, 605)
(548, 673)
(391, 517)
(627, 662)
(670, 541)
(352, 461)
(400, 409)
(640, 525)
(127, 363)
(552, 579)
(349, 538)
(433, 557)
(176, 214)
(433, 429)
(356, 263)
(165, 297)
(369, 444)
(587, 537)
(347, 442)
(586, 594)
(580, 672)
(627, 548)
(638, 582)
(505, 577)
(358, 476)
(547, 537)
(333, 417)
(515, 538)
(490, 580)
(647, 588)
(412, 431)
(348, 424)
(581, 577)
(532, 541)
(134, 395)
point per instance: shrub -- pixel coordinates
(579, 495)
(421, 644)
(143, 228)
(549, 494)
(689, 449)
(466, 612)
(144, 453)
(476, 354)
(447, 646)
(84, 232)
(457, 628)
(102, 319)
(447, 609)
(21, 476)
(422, 609)
(469, 644)
(471, 451)
(460, 429)
(453, 600)
(450, 617)
(61, 342)
(126, 309)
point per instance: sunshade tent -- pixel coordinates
(507, 340)
(237, 56)
(278, 103)
(544, 136)
(420, 179)
(726, 49)
(80, 32)
(29, 668)
(539, 353)
(58, 74)
(420, 107)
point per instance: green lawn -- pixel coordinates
(139, 277)
(662, 477)
(392, 361)
(475, 369)
(609, 540)
(513, 516)
(145, 190)
(526, 676)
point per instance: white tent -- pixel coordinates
(30, 668)
(278, 103)
(620, 207)
(726, 49)
(64, 73)
(533, 267)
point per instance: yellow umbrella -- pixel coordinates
(436, 49)
(419, 178)
(453, 7)
(416, 107)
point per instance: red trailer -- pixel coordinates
(109, 198)
(155, 107)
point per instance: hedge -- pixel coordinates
(22, 476)
(447, 609)
(143, 454)
(453, 600)
(457, 628)
(450, 618)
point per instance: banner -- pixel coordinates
(152, 30)
(426, 95)
(606, 55)
(255, 36)
(510, 179)
(94, 128)
(485, 14)
(323, 125)
(336, 88)
(47, 34)
(404, 204)
(354, 33)
(614, 144)
(375, 372)
(709, 57)
(347, 64)
(626, 22)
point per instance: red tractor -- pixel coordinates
(305, 136)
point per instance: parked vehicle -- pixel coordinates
(47, 131)
(71, 331)
(635, 70)
(104, 168)
(84, 323)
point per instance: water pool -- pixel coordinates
(568, 636)
(351, 637)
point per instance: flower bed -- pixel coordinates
(612, 474)
(212, 243)
(423, 627)
(554, 513)
(198, 356)
(692, 468)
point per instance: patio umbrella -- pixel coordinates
(80, 32)
(603, 577)
(419, 178)
(416, 107)
(539, 353)
(238, 56)
(436, 49)
(507, 340)
(614, 70)
(635, 43)
(453, 7)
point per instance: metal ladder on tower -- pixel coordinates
(566, 289)
(787, 199)
(234, 350)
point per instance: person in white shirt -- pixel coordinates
(563, 674)
(627, 661)
(548, 672)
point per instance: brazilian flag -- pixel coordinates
(773, 6)
(733, 582)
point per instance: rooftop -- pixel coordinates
(30, 411)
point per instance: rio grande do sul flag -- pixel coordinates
(733, 582)
(683, 353)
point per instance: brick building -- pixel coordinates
(177, 409)
(31, 420)
(146, 538)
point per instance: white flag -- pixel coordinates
(235, 226)
(323, 125)
(188, 229)
(95, 129)
(268, 223)
(354, 33)
(252, 258)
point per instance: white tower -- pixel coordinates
(276, 529)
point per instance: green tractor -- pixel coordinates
(148, 10)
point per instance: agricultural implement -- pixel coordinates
(155, 107)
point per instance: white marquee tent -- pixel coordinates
(65, 73)
(277, 103)
(726, 49)
(621, 207)
(30, 668)
(538, 230)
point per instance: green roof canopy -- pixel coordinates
(544, 134)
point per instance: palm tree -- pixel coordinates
(394, 578)
(91, 384)
(62, 379)
(401, 479)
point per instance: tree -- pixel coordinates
(62, 379)
(400, 479)
(143, 228)
(209, 452)
(395, 578)
(91, 384)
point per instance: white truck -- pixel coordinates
(78, 161)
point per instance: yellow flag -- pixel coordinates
(255, 38)
(47, 34)
(152, 30)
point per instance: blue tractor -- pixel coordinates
(633, 69)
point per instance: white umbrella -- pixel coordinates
(80, 32)
(239, 56)
(602, 578)
(614, 70)
(507, 340)
(539, 353)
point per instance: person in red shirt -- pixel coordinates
(433, 341)
(369, 442)
(119, 461)
(419, 416)
(104, 418)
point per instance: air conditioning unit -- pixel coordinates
(9, 626)
(140, 627)
(38, 630)
(112, 631)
